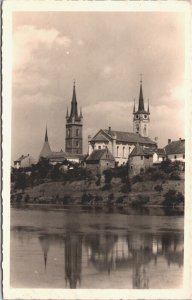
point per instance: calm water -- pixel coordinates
(79, 248)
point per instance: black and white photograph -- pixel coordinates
(96, 127)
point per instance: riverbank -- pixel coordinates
(89, 193)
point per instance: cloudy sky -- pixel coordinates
(105, 53)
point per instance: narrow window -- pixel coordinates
(175, 156)
(77, 144)
(183, 156)
(129, 150)
(68, 132)
(123, 151)
(99, 147)
(77, 132)
(141, 157)
(117, 151)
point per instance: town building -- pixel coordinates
(140, 159)
(100, 160)
(74, 128)
(175, 150)
(24, 161)
(121, 143)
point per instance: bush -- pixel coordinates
(98, 198)
(175, 176)
(119, 200)
(140, 201)
(108, 176)
(86, 198)
(27, 198)
(158, 188)
(158, 175)
(173, 198)
(66, 199)
(98, 181)
(106, 187)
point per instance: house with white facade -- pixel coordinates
(175, 150)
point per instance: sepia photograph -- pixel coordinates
(96, 150)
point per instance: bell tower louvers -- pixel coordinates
(74, 128)
(141, 116)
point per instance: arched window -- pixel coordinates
(145, 130)
(77, 132)
(117, 151)
(137, 128)
(123, 151)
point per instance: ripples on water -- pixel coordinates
(82, 248)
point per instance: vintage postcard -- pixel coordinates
(96, 149)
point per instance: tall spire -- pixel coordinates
(74, 112)
(46, 135)
(134, 107)
(141, 101)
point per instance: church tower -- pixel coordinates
(141, 116)
(74, 128)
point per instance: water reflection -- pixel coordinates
(95, 253)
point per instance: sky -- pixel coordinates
(105, 52)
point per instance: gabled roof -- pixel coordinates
(140, 151)
(129, 137)
(99, 154)
(175, 147)
(99, 138)
(160, 151)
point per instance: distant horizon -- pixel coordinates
(104, 52)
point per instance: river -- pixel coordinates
(96, 248)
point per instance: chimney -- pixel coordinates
(180, 139)
(169, 141)
(109, 129)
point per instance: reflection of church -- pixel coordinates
(107, 252)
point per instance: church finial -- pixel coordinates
(46, 135)
(67, 114)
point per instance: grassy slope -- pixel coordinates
(76, 189)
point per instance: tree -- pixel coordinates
(21, 181)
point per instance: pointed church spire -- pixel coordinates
(46, 135)
(74, 112)
(141, 101)
(134, 107)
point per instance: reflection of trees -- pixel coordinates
(101, 246)
(73, 259)
(172, 248)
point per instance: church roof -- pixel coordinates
(99, 154)
(129, 137)
(46, 150)
(99, 138)
(175, 147)
(141, 107)
(74, 110)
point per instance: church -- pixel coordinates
(121, 143)
(73, 137)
